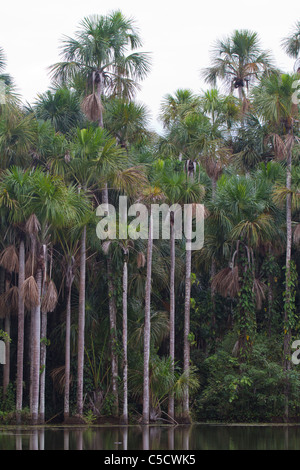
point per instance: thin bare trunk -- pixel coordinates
(113, 337)
(287, 336)
(186, 330)
(171, 410)
(43, 346)
(6, 370)
(69, 282)
(99, 91)
(147, 327)
(125, 363)
(43, 366)
(36, 336)
(113, 321)
(20, 349)
(81, 323)
(67, 358)
(213, 263)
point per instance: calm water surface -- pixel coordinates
(195, 437)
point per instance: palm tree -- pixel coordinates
(291, 44)
(192, 193)
(98, 52)
(15, 186)
(173, 185)
(97, 159)
(238, 60)
(36, 193)
(148, 195)
(243, 211)
(273, 101)
(18, 135)
(126, 121)
(174, 108)
(126, 245)
(6, 78)
(61, 107)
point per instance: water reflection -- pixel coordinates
(195, 437)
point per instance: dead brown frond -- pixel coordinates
(3, 307)
(259, 289)
(32, 225)
(226, 282)
(50, 298)
(9, 259)
(58, 378)
(12, 299)
(30, 293)
(92, 107)
(213, 167)
(141, 260)
(280, 149)
(296, 235)
(131, 180)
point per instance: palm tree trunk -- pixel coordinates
(99, 91)
(171, 410)
(36, 336)
(43, 347)
(69, 282)
(81, 323)
(113, 321)
(67, 358)
(186, 331)
(147, 328)
(43, 366)
(287, 336)
(213, 261)
(125, 363)
(113, 337)
(20, 349)
(6, 369)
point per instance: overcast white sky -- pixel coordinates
(179, 34)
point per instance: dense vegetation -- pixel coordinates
(144, 330)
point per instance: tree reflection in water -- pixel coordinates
(194, 437)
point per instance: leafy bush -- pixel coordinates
(250, 391)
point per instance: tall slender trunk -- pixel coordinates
(6, 370)
(113, 337)
(147, 328)
(125, 363)
(81, 324)
(112, 320)
(171, 410)
(287, 336)
(186, 330)
(20, 349)
(67, 358)
(69, 282)
(43, 345)
(36, 336)
(99, 91)
(213, 262)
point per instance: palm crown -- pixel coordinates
(238, 60)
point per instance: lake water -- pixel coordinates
(195, 437)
